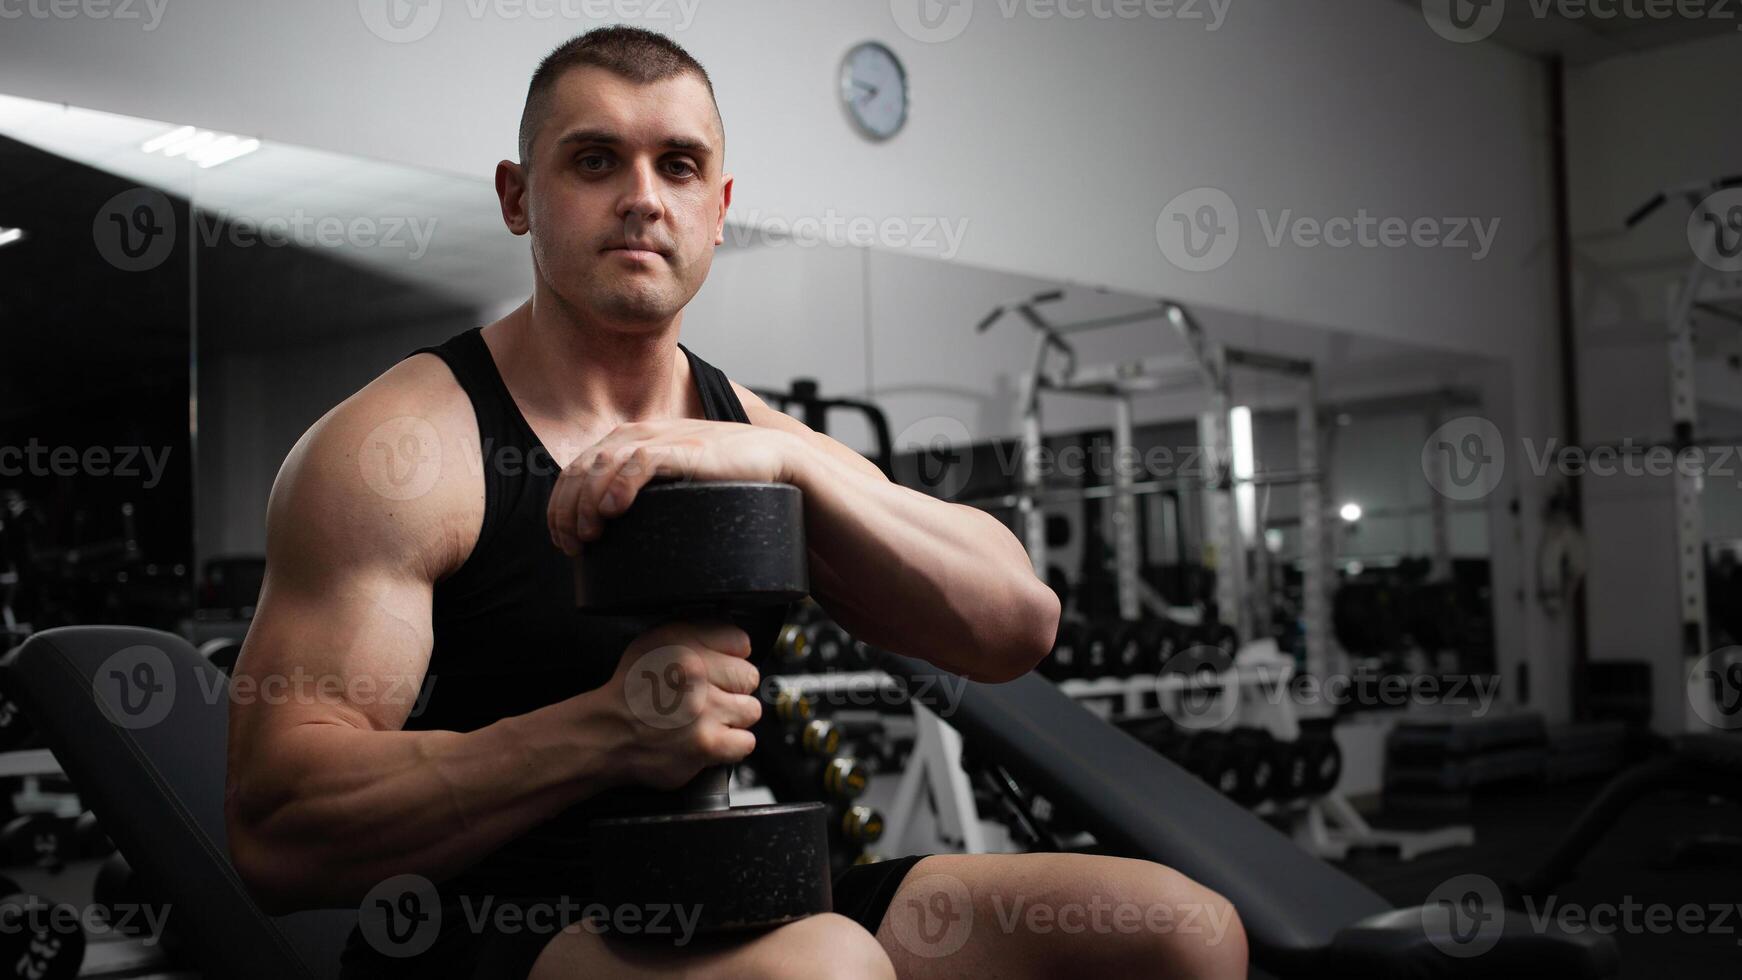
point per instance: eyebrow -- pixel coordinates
(608, 138)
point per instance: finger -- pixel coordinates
(731, 673)
(733, 745)
(560, 513)
(565, 512)
(740, 710)
(647, 461)
(606, 463)
(719, 635)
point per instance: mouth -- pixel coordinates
(636, 252)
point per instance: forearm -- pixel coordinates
(306, 832)
(931, 579)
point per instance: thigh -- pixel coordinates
(1046, 915)
(822, 946)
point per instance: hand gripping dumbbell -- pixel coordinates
(705, 551)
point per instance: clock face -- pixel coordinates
(874, 90)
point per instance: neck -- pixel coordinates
(581, 372)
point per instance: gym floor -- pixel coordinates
(1517, 824)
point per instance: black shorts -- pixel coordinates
(861, 893)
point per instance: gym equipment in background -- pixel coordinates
(1302, 916)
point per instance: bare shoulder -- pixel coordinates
(385, 474)
(761, 413)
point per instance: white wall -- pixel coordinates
(1058, 141)
(1638, 123)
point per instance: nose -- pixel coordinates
(640, 202)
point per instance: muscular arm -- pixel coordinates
(920, 576)
(326, 795)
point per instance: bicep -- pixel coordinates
(342, 633)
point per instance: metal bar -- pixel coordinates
(1315, 569)
(1143, 489)
(1258, 360)
(1124, 513)
(1119, 320)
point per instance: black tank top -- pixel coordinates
(508, 639)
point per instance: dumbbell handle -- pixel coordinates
(710, 790)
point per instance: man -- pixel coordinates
(420, 538)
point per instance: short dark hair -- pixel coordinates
(640, 56)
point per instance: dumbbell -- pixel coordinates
(842, 778)
(1098, 650)
(38, 839)
(793, 707)
(832, 647)
(92, 841)
(706, 551)
(1252, 753)
(860, 825)
(1292, 774)
(1217, 635)
(16, 732)
(819, 738)
(1323, 760)
(792, 648)
(1066, 659)
(39, 939)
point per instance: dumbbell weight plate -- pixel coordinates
(820, 738)
(1292, 776)
(1324, 763)
(16, 731)
(861, 825)
(1252, 756)
(736, 869)
(844, 778)
(37, 839)
(92, 841)
(38, 939)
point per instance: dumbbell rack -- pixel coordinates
(1327, 825)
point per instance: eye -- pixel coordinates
(592, 161)
(681, 168)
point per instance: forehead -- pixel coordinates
(593, 98)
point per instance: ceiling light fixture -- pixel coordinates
(201, 146)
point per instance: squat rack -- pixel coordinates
(1203, 366)
(1703, 289)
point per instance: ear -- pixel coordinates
(511, 195)
(725, 202)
